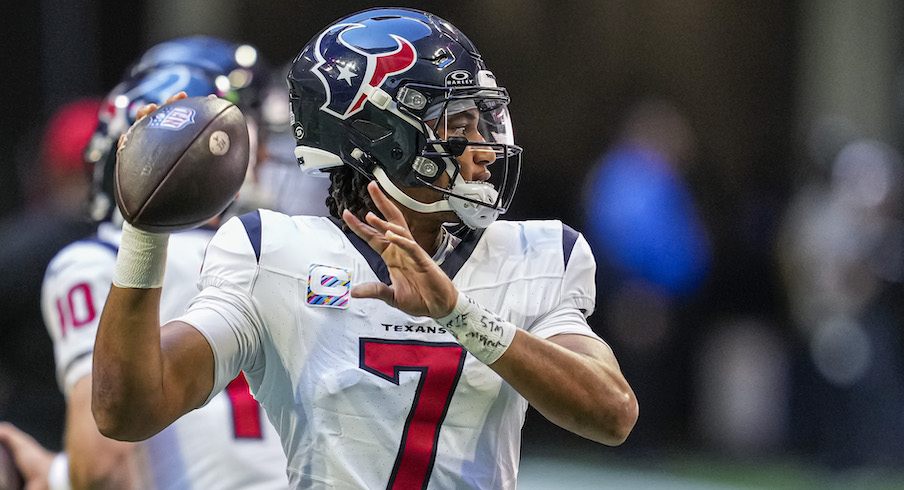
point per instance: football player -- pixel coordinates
(389, 349)
(228, 443)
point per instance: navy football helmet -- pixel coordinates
(371, 91)
(211, 66)
(239, 72)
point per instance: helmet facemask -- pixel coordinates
(455, 121)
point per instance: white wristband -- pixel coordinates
(141, 260)
(58, 474)
(485, 335)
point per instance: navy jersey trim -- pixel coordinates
(77, 359)
(462, 252)
(569, 238)
(370, 255)
(252, 223)
(450, 266)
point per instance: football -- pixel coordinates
(182, 164)
(10, 477)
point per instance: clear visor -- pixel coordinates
(480, 116)
(474, 124)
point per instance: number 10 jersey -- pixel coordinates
(225, 445)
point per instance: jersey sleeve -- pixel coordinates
(579, 281)
(76, 284)
(577, 291)
(223, 311)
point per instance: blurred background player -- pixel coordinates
(277, 183)
(52, 216)
(228, 443)
(652, 248)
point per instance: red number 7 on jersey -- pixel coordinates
(440, 365)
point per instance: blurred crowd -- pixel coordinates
(841, 254)
(821, 375)
(822, 380)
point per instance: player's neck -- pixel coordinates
(426, 228)
(428, 236)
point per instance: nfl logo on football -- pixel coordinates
(174, 119)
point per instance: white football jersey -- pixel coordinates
(227, 444)
(363, 395)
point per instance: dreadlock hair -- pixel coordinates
(348, 190)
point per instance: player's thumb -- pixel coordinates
(374, 290)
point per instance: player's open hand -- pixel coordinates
(30, 457)
(419, 287)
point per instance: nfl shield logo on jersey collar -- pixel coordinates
(329, 286)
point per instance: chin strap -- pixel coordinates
(473, 215)
(405, 199)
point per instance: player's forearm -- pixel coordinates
(582, 392)
(128, 396)
(128, 369)
(95, 461)
(88, 475)
(573, 380)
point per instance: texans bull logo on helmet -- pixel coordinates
(368, 58)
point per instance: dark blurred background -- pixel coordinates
(743, 362)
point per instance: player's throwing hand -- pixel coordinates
(418, 287)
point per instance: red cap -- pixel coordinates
(67, 134)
